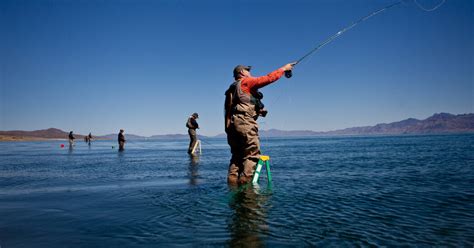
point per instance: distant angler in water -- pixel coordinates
(71, 139)
(88, 139)
(121, 140)
(192, 125)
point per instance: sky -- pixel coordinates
(145, 66)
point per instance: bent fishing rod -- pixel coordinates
(289, 74)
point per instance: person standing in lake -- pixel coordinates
(243, 106)
(192, 125)
(89, 138)
(71, 139)
(121, 140)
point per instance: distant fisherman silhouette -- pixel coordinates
(192, 125)
(88, 138)
(71, 139)
(121, 140)
(243, 106)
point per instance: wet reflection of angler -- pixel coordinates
(193, 169)
(248, 223)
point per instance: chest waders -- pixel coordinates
(257, 105)
(250, 104)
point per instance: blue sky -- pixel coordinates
(145, 66)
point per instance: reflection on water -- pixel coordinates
(193, 169)
(329, 192)
(248, 223)
(121, 157)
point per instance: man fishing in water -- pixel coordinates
(71, 139)
(192, 125)
(121, 140)
(243, 106)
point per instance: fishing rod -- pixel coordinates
(289, 74)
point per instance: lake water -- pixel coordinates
(328, 191)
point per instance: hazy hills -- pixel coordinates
(435, 124)
(51, 133)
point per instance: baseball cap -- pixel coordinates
(239, 68)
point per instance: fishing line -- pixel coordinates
(209, 144)
(261, 126)
(428, 10)
(331, 38)
(334, 36)
(288, 74)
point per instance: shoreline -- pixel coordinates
(9, 138)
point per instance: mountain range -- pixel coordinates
(50, 133)
(435, 124)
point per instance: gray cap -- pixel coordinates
(195, 115)
(239, 68)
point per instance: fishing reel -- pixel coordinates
(289, 73)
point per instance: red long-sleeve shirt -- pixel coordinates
(252, 84)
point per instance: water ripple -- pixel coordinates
(329, 191)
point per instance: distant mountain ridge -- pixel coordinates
(435, 124)
(50, 133)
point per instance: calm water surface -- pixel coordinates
(344, 191)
